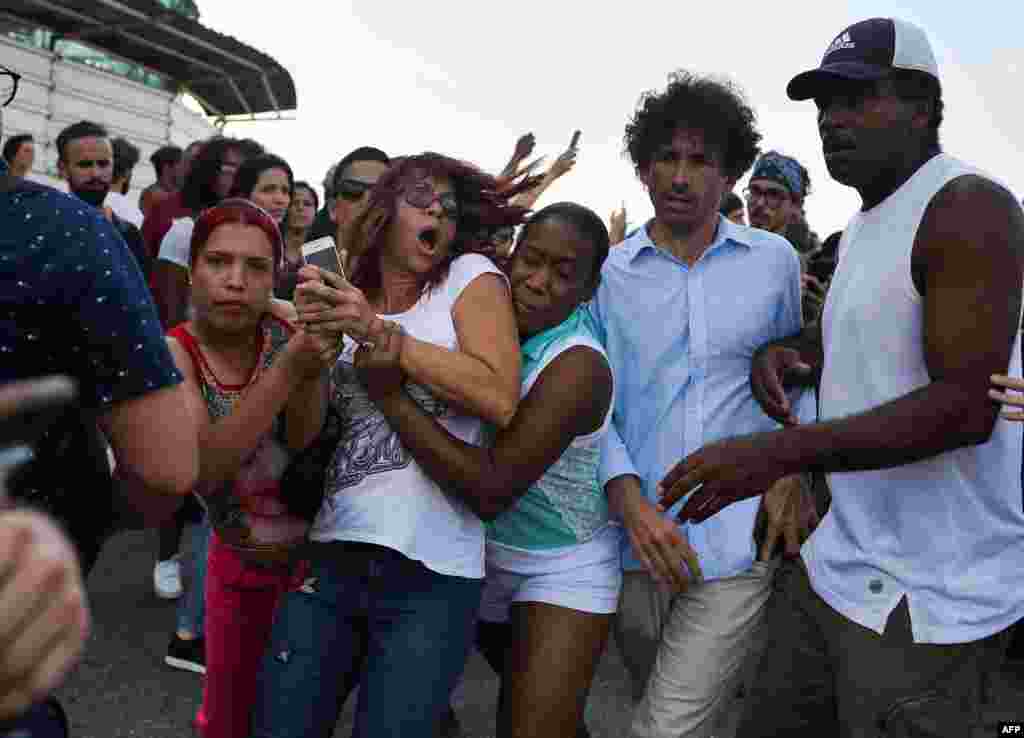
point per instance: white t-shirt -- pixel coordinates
(124, 208)
(176, 243)
(376, 493)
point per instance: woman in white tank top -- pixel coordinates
(397, 564)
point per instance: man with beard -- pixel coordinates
(86, 161)
(899, 601)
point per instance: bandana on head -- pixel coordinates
(781, 169)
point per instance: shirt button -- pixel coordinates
(875, 586)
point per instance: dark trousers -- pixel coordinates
(823, 675)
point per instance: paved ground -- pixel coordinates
(122, 689)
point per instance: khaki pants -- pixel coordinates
(686, 653)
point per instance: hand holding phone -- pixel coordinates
(323, 254)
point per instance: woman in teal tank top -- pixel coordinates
(553, 568)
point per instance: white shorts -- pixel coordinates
(586, 577)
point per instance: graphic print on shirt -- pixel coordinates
(368, 444)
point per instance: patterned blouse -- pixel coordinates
(247, 512)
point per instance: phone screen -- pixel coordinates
(322, 253)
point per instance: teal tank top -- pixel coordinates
(567, 505)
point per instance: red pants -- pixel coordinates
(240, 602)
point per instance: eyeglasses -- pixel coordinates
(422, 195)
(8, 85)
(352, 189)
(772, 197)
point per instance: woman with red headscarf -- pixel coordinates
(259, 386)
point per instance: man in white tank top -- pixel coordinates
(895, 611)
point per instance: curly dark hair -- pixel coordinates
(483, 207)
(198, 193)
(715, 107)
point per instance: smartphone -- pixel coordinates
(322, 253)
(33, 407)
(29, 409)
(575, 140)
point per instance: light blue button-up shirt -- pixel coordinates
(680, 340)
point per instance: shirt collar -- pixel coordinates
(727, 232)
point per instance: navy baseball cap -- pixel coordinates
(868, 50)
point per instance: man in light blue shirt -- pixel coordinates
(683, 304)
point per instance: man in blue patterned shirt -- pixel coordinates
(73, 302)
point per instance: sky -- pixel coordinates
(467, 79)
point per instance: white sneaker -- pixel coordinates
(167, 579)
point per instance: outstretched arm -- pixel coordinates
(967, 263)
(524, 147)
(561, 165)
(570, 398)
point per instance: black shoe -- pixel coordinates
(186, 655)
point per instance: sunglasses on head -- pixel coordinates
(353, 189)
(422, 195)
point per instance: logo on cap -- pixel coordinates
(843, 41)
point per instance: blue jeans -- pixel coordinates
(370, 617)
(192, 605)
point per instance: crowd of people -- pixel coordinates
(758, 461)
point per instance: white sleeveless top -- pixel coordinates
(947, 532)
(376, 492)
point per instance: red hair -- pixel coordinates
(242, 212)
(483, 207)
